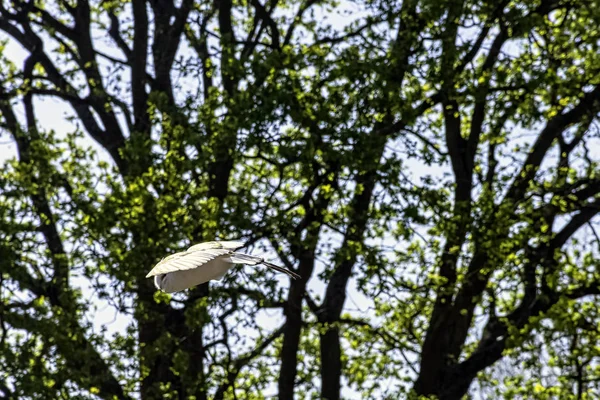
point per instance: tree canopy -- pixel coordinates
(437, 160)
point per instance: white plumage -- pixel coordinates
(201, 263)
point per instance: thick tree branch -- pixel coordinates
(167, 37)
(111, 139)
(335, 294)
(588, 105)
(139, 60)
(475, 283)
(303, 249)
(228, 40)
(478, 117)
(89, 66)
(265, 16)
(585, 214)
(306, 5)
(115, 33)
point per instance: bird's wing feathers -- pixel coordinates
(283, 270)
(186, 260)
(240, 258)
(229, 245)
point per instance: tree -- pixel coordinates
(436, 157)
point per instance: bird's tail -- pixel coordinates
(240, 258)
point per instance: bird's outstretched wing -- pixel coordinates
(185, 260)
(231, 245)
(240, 258)
(202, 253)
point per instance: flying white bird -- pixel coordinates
(201, 263)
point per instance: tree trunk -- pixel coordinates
(331, 360)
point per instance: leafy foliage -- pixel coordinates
(436, 159)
